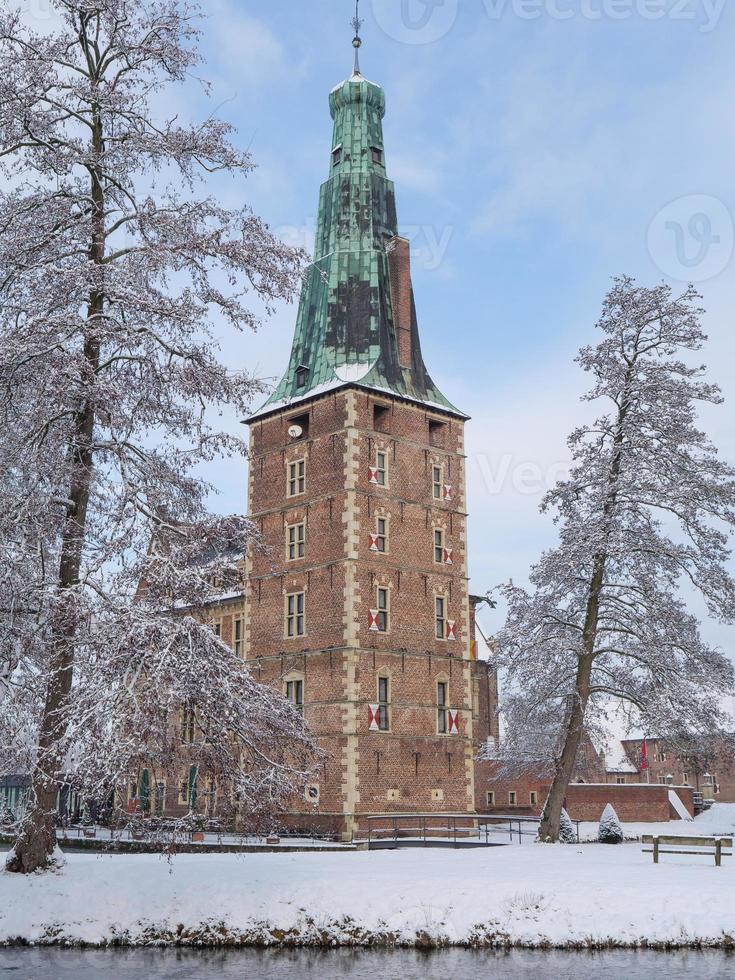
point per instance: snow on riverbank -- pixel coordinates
(532, 895)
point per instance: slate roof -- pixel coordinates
(345, 333)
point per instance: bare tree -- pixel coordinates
(648, 508)
(114, 273)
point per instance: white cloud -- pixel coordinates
(239, 47)
(414, 172)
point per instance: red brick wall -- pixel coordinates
(399, 265)
(411, 767)
(633, 804)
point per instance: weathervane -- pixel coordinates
(357, 41)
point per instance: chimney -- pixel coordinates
(399, 267)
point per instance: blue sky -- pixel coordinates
(536, 155)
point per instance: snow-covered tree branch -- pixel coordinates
(114, 272)
(644, 520)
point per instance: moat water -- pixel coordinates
(452, 964)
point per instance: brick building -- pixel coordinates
(357, 602)
(711, 772)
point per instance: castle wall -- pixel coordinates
(341, 658)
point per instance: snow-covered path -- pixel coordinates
(533, 894)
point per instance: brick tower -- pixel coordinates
(357, 604)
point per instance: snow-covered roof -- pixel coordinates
(617, 759)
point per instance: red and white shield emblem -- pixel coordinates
(448, 491)
(373, 620)
(448, 556)
(373, 542)
(372, 475)
(374, 717)
(453, 722)
(451, 629)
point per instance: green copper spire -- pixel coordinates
(347, 330)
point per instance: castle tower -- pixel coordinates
(358, 605)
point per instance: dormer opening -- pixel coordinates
(381, 417)
(302, 376)
(377, 155)
(437, 433)
(337, 156)
(298, 427)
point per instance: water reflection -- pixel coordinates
(37, 964)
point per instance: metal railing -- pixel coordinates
(455, 828)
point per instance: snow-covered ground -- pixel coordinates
(532, 894)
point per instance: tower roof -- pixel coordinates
(357, 323)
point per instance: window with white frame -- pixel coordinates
(441, 707)
(188, 724)
(237, 637)
(383, 703)
(381, 468)
(438, 546)
(297, 478)
(383, 610)
(533, 797)
(685, 779)
(295, 541)
(437, 482)
(440, 617)
(159, 798)
(295, 693)
(381, 535)
(490, 797)
(295, 619)
(512, 798)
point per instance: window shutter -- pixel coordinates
(372, 474)
(451, 629)
(374, 717)
(448, 556)
(373, 621)
(448, 491)
(373, 542)
(453, 722)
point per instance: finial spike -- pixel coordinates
(357, 40)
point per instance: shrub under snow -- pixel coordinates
(610, 830)
(567, 833)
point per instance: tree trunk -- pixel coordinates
(551, 814)
(37, 841)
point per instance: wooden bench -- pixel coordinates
(695, 845)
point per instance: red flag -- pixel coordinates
(644, 756)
